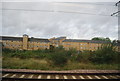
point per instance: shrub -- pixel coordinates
(84, 57)
(104, 55)
(58, 59)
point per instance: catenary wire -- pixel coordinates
(57, 11)
(101, 4)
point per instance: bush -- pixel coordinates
(106, 54)
(84, 57)
(104, 58)
(58, 59)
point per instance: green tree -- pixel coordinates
(106, 54)
(101, 39)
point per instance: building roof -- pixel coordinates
(117, 44)
(38, 40)
(11, 38)
(32, 39)
(59, 38)
(21, 39)
(25, 35)
(88, 41)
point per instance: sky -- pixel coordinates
(75, 20)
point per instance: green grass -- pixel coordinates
(17, 63)
(59, 59)
(43, 64)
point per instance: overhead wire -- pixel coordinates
(57, 11)
(90, 3)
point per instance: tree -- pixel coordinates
(101, 39)
(107, 39)
(52, 48)
(106, 54)
(116, 41)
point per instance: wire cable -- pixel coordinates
(58, 11)
(89, 3)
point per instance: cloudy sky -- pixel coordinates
(78, 20)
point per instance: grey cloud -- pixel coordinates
(50, 24)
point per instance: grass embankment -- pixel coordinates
(60, 59)
(42, 64)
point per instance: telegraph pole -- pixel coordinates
(117, 4)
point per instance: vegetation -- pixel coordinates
(102, 39)
(59, 59)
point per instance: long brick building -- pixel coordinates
(26, 43)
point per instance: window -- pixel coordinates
(45, 46)
(41, 46)
(4, 44)
(68, 44)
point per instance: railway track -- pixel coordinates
(31, 76)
